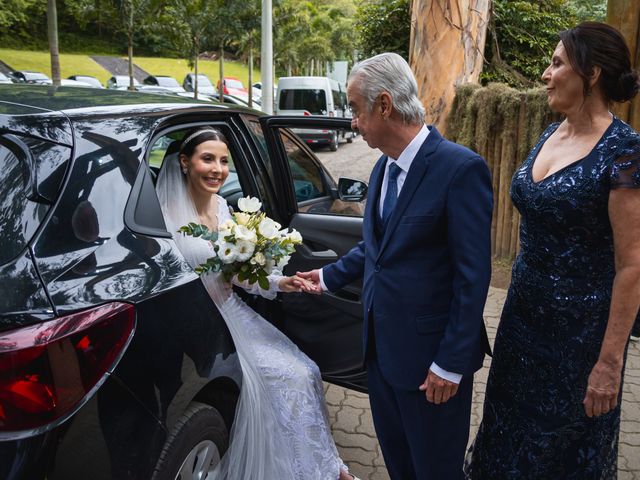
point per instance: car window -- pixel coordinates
(312, 100)
(20, 216)
(307, 177)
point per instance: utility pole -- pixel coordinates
(266, 60)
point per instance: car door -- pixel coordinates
(328, 327)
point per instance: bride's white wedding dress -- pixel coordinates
(281, 428)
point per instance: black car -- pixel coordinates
(114, 361)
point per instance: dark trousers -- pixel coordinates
(419, 440)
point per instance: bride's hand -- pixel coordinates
(297, 284)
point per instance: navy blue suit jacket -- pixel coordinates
(426, 278)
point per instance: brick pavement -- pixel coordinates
(355, 437)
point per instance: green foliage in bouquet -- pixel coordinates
(249, 245)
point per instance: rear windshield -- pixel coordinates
(29, 184)
(312, 100)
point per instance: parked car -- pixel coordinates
(4, 78)
(28, 76)
(113, 357)
(232, 86)
(121, 82)
(204, 84)
(88, 79)
(314, 96)
(164, 81)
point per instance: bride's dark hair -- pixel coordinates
(195, 137)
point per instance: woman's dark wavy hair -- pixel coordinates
(592, 44)
(195, 137)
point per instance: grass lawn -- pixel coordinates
(83, 65)
(70, 63)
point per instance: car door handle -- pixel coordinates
(327, 254)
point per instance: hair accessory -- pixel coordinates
(199, 132)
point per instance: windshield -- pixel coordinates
(203, 81)
(167, 82)
(312, 100)
(35, 76)
(233, 83)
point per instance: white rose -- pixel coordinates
(249, 204)
(268, 228)
(242, 218)
(227, 251)
(295, 237)
(245, 234)
(283, 262)
(244, 250)
(259, 259)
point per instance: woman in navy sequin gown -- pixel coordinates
(552, 407)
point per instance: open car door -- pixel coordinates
(328, 214)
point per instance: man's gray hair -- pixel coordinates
(389, 72)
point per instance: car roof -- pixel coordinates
(70, 99)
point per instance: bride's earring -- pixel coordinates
(184, 170)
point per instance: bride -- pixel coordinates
(281, 428)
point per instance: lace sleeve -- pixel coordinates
(625, 171)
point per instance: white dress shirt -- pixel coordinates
(404, 161)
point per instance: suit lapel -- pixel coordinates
(414, 178)
(377, 175)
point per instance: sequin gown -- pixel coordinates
(554, 319)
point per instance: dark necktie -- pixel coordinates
(392, 192)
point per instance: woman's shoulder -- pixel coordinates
(623, 139)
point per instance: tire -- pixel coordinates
(333, 146)
(196, 444)
(350, 137)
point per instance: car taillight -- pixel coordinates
(48, 370)
(306, 113)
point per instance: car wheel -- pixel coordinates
(195, 446)
(333, 146)
(349, 136)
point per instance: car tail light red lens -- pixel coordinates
(306, 113)
(47, 370)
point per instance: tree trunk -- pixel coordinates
(52, 26)
(289, 69)
(196, 44)
(439, 28)
(130, 38)
(250, 88)
(625, 16)
(221, 64)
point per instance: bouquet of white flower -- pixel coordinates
(249, 245)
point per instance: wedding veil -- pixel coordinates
(257, 449)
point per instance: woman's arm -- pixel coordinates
(604, 381)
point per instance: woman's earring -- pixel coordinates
(184, 170)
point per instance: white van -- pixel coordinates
(314, 96)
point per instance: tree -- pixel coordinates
(593, 10)
(522, 37)
(52, 28)
(134, 15)
(384, 26)
(187, 24)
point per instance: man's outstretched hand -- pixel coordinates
(312, 284)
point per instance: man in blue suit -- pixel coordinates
(426, 263)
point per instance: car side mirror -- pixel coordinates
(350, 190)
